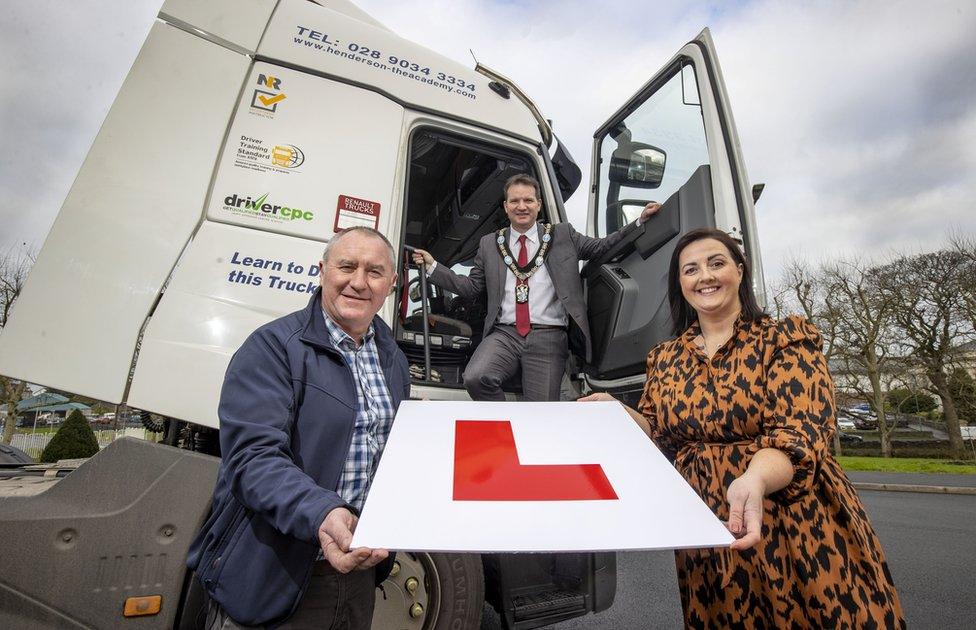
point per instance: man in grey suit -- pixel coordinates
(530, 271)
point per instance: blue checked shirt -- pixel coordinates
(373, 418)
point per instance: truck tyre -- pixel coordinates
(431, 592)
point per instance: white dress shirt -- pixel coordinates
(544, 306)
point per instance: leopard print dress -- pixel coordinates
(819, 563)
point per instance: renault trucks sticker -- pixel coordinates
(267, 96)
(260, 207)
(256, 154)
(356, 212)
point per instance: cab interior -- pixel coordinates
(454, 197)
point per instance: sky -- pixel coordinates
(859, 116)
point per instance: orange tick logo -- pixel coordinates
(264, 99)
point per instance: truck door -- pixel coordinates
(674, 142)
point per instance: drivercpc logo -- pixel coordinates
(267, 95)
(261, 208)
(257, 154)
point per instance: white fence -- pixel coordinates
(31, 443)
(34, 443)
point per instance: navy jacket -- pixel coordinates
(287, 412)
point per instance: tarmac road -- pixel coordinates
(930, 541)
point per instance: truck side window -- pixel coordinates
(669, 127)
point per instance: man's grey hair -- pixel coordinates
(361, 228)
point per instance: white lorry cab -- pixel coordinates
(245, 135)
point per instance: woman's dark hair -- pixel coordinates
(682, 314)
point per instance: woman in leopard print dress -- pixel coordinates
(743, 405)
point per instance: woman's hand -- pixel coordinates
(597, 397)
(605, 397)
(745, 496)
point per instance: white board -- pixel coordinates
(412, 503)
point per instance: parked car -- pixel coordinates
(866, 423)
(845, 423)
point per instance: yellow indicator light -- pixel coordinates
(142, 606)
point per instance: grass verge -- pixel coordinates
(905, 464)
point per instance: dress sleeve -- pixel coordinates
(648, 408)
(799, 412)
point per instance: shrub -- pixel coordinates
(963, 391)
(902, 400)
(73, 440)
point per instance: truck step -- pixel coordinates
(548, 603)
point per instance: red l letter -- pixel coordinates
(487, 468)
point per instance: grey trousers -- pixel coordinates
(332, 601)
(541, 354)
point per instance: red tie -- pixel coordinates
(522, 309)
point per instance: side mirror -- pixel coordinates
(638, 165)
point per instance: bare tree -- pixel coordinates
(929, 313)
(779, 303)
(965, 246)
(863, 344)
(14, 266)
(801, 290)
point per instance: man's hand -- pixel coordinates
(649, 211)
(335, 536)
(422, 256)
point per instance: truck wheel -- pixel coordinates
(431, 592)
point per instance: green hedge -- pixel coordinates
(909, 434)
(929, 449)
(74, 440)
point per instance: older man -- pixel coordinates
(530, 272)
(305, 411)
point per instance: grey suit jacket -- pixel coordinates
(568, 248)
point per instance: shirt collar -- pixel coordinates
(531, 235)
(341, 337)
(740, 329)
